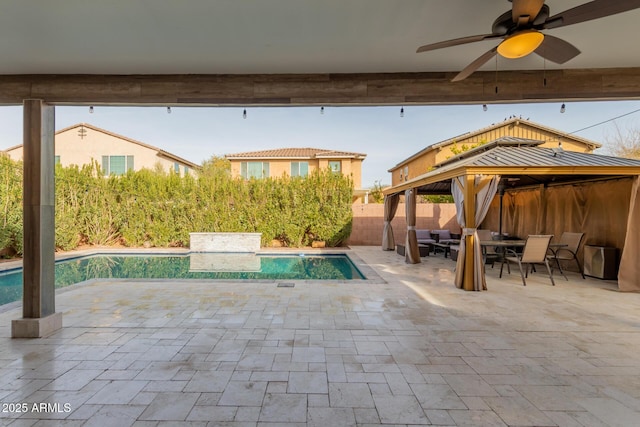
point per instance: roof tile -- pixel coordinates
(295, 153)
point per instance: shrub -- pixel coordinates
(155, 208)
(10, 206)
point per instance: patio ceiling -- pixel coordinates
(280, 37)
(158, 52)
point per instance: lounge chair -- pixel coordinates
(569, 252)
(534, 252)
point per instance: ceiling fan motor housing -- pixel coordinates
(504, 25)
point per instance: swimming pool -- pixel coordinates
(189, 266)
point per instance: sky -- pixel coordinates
(198, 133)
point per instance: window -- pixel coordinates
(57, 160)
(176, 168)
(335, 166)
(299, 168)
(406, 173)
(254, 170)
(186, 171)
(116, 165)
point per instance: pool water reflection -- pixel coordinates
(190, 266)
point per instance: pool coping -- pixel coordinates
(371, 276)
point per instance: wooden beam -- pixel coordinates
(323, 89)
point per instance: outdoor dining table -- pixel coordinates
(503, 245)
(516, 244)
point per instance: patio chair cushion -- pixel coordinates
(424, 237)
(423, 234)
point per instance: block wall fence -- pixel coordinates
(368, 221)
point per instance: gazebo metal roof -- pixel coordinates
(524, 162)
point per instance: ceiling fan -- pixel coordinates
(520, 28)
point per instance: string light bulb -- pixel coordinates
(401, 111)
(484, 107)
(91, 109)
(168, 110)
(562, 108)
(321, 110)
(244, 113)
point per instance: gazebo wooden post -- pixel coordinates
(470, 221)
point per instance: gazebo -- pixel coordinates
(515, 165)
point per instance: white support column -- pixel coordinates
(38, 306)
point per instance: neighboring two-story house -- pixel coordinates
(297, 162)
(83, 143)
(422, 161)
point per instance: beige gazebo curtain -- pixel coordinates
(391, 202)
(600, 209)
(629, 271)
(411, 252)
(485, 189)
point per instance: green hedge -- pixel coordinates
(11, 206)
(156, 209)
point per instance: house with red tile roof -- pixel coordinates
(297, 162)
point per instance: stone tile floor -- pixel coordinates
(405, 348)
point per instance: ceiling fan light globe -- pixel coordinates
(520, 44)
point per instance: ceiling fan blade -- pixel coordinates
(556, 50)
(588, 11)
(525, 8)
(456, 42)
(471, 68)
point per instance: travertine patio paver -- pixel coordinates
(404, 348)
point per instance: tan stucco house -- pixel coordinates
(83, 143)
(297, 162)
(424, 160)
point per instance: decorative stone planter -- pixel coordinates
(224, 242)
(226, 262)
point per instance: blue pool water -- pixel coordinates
(189, 266)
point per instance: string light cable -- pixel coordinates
(604, 121)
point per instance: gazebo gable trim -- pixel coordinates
(467, 166)
(509, 122)
(529, 170)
